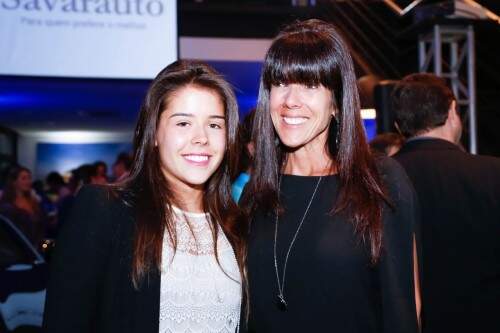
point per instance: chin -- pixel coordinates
(292, 144)
(197, 180)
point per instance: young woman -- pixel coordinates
(19, 202)
(161, 251)
(331, 239)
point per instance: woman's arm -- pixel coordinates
(79, 260)
(398, 266)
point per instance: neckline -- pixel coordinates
(177, 210)
(431, 143)
(335, 175)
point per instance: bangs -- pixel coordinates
(309, 62)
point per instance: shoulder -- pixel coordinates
(388, 166)
(92, 194)
(100, 196)
(92, 199)
(488, 162)
(99, 204)
(392, 173)
(396, 182)
(400, 216)
(484, 170)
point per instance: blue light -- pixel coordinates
(14, 99)
(370, 128)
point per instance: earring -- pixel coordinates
(337, 131)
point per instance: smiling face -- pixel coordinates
(191, 137)
(301, 114)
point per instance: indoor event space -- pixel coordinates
(253, 166)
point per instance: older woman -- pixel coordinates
(331, 244)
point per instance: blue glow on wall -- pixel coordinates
(65, 157)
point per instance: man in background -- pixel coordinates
(459, 197)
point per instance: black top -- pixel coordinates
(330, 284)
(90, 287)
(459, 197)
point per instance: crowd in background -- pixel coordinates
(39, 207)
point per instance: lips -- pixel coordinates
(294, 120)
(198, 159)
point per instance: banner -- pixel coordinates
(87, 38)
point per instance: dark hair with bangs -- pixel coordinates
(147, 190)
(421, 102)
(312, 52)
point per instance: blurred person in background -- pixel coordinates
(57, 188)
(20, 203)
(48, 207)
(121, 167)
(87, 174)
(45, 201)
(84, 174)
(459, 196)
(246, 155)
(387, 143)
(101, 170)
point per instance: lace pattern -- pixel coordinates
(197, 295)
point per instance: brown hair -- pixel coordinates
(311, 53)
(147, 189)
(383, 142)
(9, 192)
(421, 102)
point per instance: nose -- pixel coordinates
(200, 136)
(292, 98)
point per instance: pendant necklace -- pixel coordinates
(281, 302)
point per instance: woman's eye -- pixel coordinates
(216, 126)
(312, 86)
(182, 124)
(280, 84)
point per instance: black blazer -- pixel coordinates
(90, 288)
(459, 196)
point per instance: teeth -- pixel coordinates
(294, 120)
(196, 158)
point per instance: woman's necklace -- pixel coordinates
(281, 303)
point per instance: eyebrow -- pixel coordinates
(192, 115)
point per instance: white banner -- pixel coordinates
(87, 38)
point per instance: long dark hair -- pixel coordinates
(10, 193)
(311, 53)
(147, 189)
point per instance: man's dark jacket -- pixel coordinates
(459, 196)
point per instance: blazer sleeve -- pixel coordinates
(79, 261)
(396, 270)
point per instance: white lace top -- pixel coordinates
(197, 296)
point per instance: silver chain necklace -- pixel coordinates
(281, 303)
